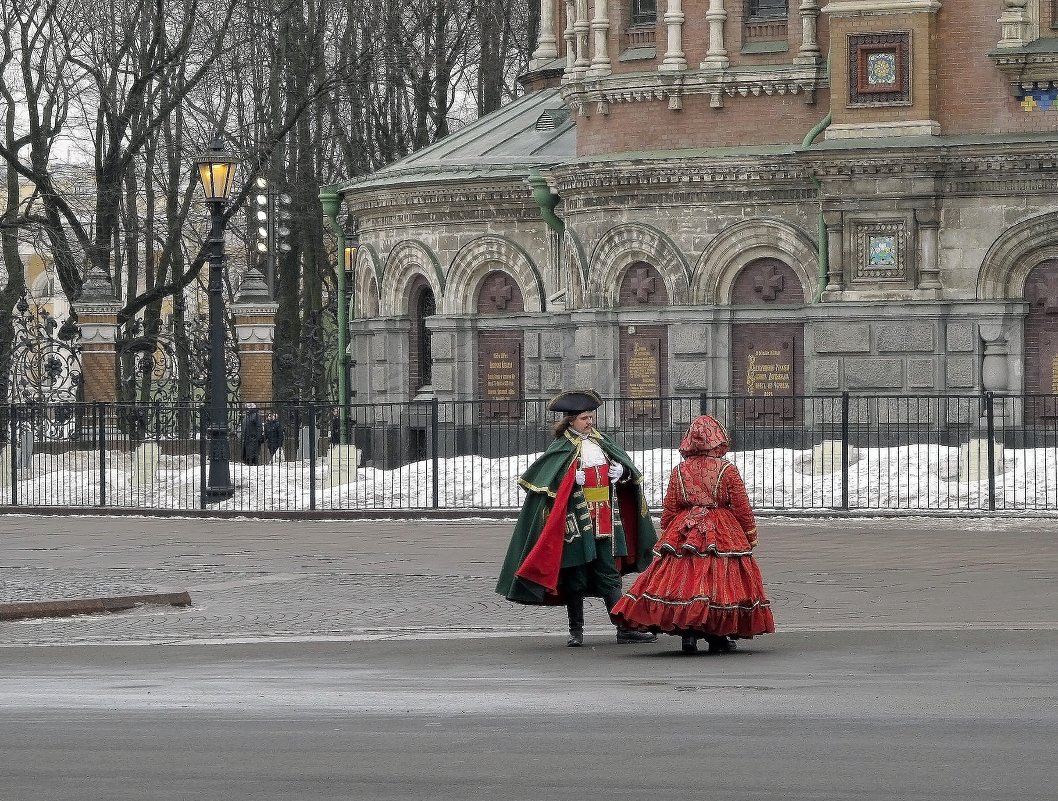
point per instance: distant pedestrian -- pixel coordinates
(584, 522)
(704, 581)
(253, 438)
(273, 431)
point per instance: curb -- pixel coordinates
(89, 606)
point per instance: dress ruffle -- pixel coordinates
(704, 580)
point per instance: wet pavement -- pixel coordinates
(346, 660)
(272, 580)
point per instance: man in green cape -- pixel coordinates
(584, 522)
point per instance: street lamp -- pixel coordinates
(216, 171)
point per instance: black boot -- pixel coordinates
(689, 644)
(575, 610)
(624, 634)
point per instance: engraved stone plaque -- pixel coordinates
(500, 378)
(767, 369)
(643, 356)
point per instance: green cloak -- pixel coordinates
(633, 539)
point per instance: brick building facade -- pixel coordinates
(752, 197)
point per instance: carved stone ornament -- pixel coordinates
(97, 285)
(583, 94)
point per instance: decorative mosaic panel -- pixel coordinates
(881, 251)
(1038, 99)
(879, 68)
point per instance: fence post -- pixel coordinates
(845, 450)
(703, 403)
(13, 420)
(435, 482)
(101, 427)
(312, 457)
(990, 431)
(202, 457)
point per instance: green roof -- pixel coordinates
(534, 131)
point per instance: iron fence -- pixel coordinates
(884, 453)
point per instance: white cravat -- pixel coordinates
(591, 454)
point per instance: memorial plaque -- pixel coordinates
(766, 368)
(1046, 378)
(643, 369)
(500, 374)
(769, 371)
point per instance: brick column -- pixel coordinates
(255, 315)
(97, 315)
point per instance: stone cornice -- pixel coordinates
(596, 95)
(663, 172)
(837, 8)
(512, 194)
(398, 207)
(957, 169)
(254, 308)
(950, 161)
(1026, 70)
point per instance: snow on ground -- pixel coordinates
(910, 478)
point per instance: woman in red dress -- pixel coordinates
(704, 581)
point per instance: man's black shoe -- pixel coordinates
(629, 636)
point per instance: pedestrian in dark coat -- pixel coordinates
(253, 439)
(273, 431)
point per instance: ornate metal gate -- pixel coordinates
(45, 357)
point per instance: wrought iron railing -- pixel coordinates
(847, 453)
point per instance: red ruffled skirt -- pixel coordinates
(703, 580)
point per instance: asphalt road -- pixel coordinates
(914, 660)
(962, 715)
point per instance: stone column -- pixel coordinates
(546, 43)
(716, 56)
(973, 456)
(569, 36)
(97, 315)
(675, 59)
(581, 28)
(995, 373)
(809, 52)
(1016, 22)
(600, 62)
(835, 266)
(255, 328)
(928, 222)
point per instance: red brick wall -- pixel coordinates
(975, 97)
(743, 121)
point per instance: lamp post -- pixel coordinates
(331, 201)
(216, 171)
(345, 296)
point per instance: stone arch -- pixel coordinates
(745, 242)
(367, 278)
(574, 264)
(1014, 254)
(624, 244)
(482, 256)
(407, 259)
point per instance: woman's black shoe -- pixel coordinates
(690, 644)
(720, 645)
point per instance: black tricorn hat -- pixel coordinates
(575, 402)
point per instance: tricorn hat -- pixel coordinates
(575, 402)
